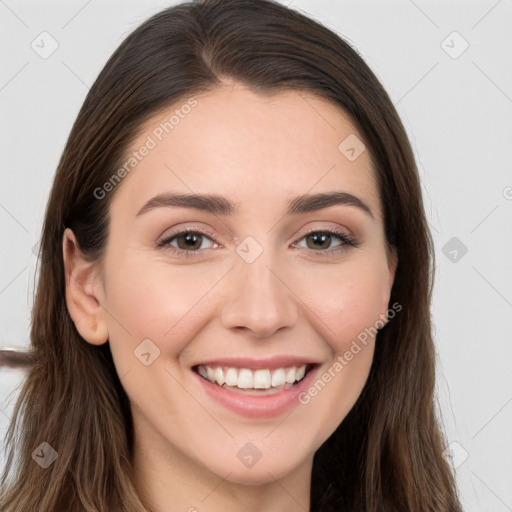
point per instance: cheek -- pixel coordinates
(344, 300)
(147, 299)
(344, 307)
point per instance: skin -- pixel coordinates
(255, 150)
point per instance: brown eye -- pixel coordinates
(187, 243)
(189, 240)
(321, 242)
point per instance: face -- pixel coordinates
(255, 291)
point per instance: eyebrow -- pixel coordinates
(220, 205)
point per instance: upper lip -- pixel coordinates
(255, 364)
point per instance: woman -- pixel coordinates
(233, 306)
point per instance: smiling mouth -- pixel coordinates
(254, 382)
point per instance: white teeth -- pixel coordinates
(262, 379)
(203, 372)
(231, 377)
(278, 377)
(290, 375)
(218, 376)
(245, 378)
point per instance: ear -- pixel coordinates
(392, 264)
(83, 292)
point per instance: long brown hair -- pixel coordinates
(387, 453)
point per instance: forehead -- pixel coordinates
(238, 143)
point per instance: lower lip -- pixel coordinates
(252, 406)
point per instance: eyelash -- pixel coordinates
(343, 237)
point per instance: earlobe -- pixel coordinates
(83, 292)
(392, 265)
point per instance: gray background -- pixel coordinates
(456, 104)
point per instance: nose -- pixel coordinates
(259, 299)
